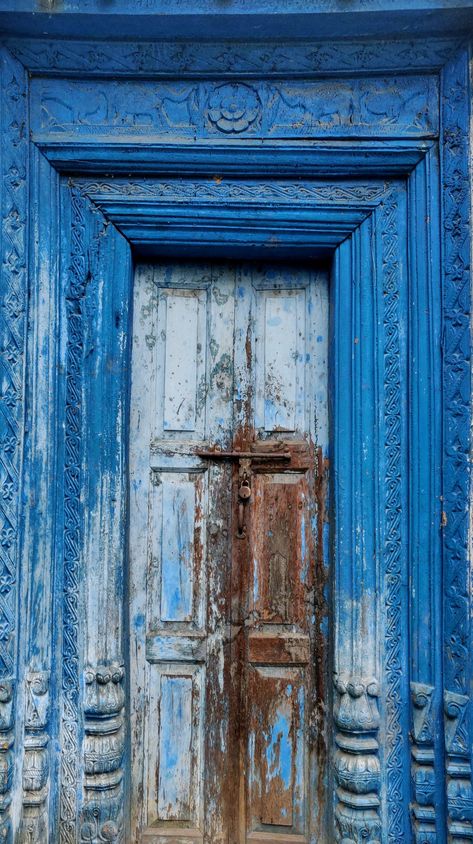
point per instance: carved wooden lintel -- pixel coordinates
(102, 814)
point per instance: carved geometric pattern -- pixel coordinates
(392, 540)
(72, 527)
(13, 293)
(14, 148)
(192, 59)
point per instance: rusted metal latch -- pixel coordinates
(244, 485)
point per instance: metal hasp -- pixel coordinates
(244, 488)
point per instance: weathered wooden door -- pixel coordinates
(228, 428)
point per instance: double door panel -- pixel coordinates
(230, 359)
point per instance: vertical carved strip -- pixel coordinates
(72, 527)
(425, 611)
(13, 233)
(457, 388)
(356, 715)
(394, 576)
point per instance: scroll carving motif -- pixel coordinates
(393, 540)
(185, 191)
(357, 764)
(457, 391)
(102, 815)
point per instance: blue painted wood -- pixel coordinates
(409, 444)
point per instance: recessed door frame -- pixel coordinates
(395, 427)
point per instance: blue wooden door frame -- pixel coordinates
(398, 744)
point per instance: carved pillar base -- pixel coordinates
(459, 786)
(34, 822)
(357, 767)
(102, 815)
(6, 757)
(424, 827)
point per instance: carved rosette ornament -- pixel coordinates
(356, 763)
(233, 109)
(34, 827)
(102, 816)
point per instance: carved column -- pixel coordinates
(104, 311)
(104, 743)
(356, 716)
(424, 507)
(34, 825)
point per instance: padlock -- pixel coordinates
(245, 491)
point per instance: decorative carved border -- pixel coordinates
(457, 443)
(393, 569)
(13, 298)
(70, 717)
(174, 190)
(228, 59)
(204, 110)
